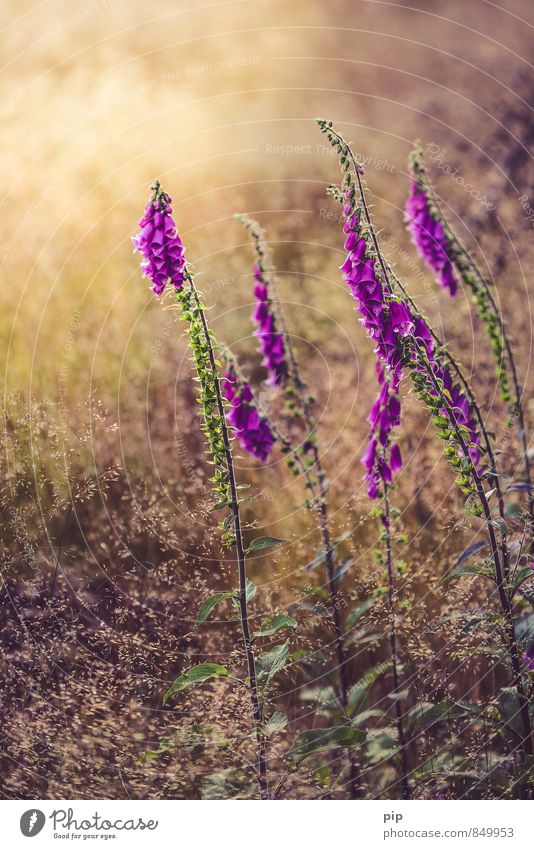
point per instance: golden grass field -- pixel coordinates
(109, 543)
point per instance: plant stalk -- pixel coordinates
(252, 686)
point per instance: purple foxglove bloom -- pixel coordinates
(429, 237)
(252, 429)
(401, 319)
(160, 245)
(383, 417)
(271, 341)
(386, 322)
(395, 458)
(528, 657)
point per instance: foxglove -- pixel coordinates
(271, 340)
(382, 459)
(160, 245)
(252, 429)
(429, 237)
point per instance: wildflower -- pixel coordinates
(386, 322)
(429, 237)
(160, 245)
(271, 341)
(381, 459)
(528, 657)
(252, 429)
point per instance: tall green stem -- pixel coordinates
(319, 494)
(393, 646)
(257, 708)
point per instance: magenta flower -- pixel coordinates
(386, 321)
(160, 244)
(429, 237)
(528, 657)
(271, 341)
(382, 459)
(252, 429)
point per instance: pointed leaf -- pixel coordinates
(425, 714)
(264, 542)
(468, 569)
(274, 624)
(334, 737)
(343, 567)
(470, 551)
(276, 723)
(271, 662)
(195, 675)
(357, 694)
(209, 605)
(357, 612)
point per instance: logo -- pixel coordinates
(32, 822)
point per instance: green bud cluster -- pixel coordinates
(191, 312)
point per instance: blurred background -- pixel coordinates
(109, 541)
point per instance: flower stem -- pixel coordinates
(252, 686)
(319, 492)
(393, 646)
(512, 645)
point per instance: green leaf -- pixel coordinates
(271, 662)
(195, 675)
(343, 567)
(320, 558)
(522, 576)
(510, 711)
(425, 714)
(468, 569)
(230, 784)
(320, 739)
(470, 551)
(365, 715)
(524, 626)
(357, 694)
(276, 723)
(381, 744)
(209, 605)
(274, 624)
(263, 542)
(220, 504)
(357, 612)
(250, 592)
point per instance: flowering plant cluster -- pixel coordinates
(405, 348)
